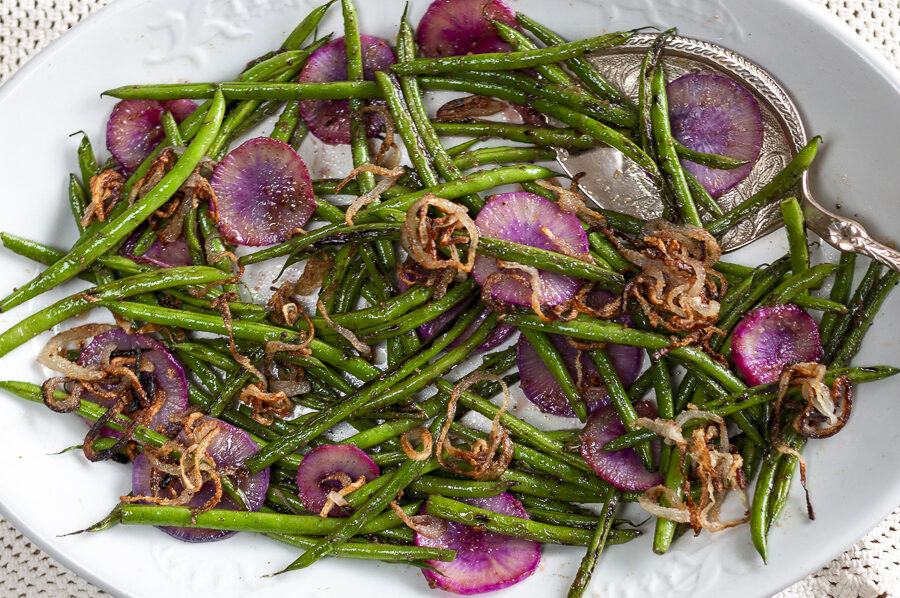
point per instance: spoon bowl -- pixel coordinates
(614, 182)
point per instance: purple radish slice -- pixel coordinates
(485, 561)
(229, 449)
(623, 469)
(769, 338)
(135, 128)
(168, 376)
(327, 459)
(456, 27)
(329, 120)
(263, 193)
(520, 217)
(542, 389)
(715, 115)
(163, 255)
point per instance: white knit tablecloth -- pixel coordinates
(870, 569)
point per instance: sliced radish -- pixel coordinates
(167, 375)
(715, 115)
(228, 449)
(455, 27)
(263, 193)
(135, 128)
(623, 469)
(520, 217)
(485, 561)
(325, 460)
(769, 338)
(164, 255)
(329, 120)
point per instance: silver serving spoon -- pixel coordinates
(614, 182)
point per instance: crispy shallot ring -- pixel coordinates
(364, 350)
(336, 498)
(417, 434)
(422, 235)
(51, 357)
(106, 191)
(426, 525)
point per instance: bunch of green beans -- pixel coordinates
(382, 397)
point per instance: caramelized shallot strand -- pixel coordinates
(481, 456)
(471, 106)
(417, 434)
(336, 498)
(426, 525)
(51, 357)
(422, 235)
(362, 348)
(106, 191)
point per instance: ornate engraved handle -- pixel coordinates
(845, 234)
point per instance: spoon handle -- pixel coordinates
(845, 234)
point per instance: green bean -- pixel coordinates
(800, 283)
(415, 146)
(192, 237)
(559, 507)
(499, 61)
(77, 201)
(709, 160)
(332, 234)
(202, 371)
(665, 529)
(306, 27)
(287, 122)
(413, 96)
(414, 555)
(251, 91)
(620, 401)
(253, 331)
(354, 524)
(759, 509)
(665, 400)
(545, 259)
(462, 147)
(701, 195)
(126, 287)
(595, 548)
(87, 409)
(502, 155)
(517, 527)
(581, 67)
(600, 331)
(809, 302)
(248, 521)
(429, 484)
(209, 355)
(231, 386)
(864, 317)
(520, 42)
(327, 187)
(394, 308)
(391, 429)
(245, 108)
(857, 302)
(87, 161)
(472, 183)
(170, 126)
(617, 220)
(795, 226)
(117, 229)
(784, 475)
(547, 136)
(780, 183)
(540, 342)
(649, 64)
(840, 293)
(665, 149)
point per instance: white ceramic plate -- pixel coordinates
(845, 91)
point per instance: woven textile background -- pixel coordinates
(868, 570)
